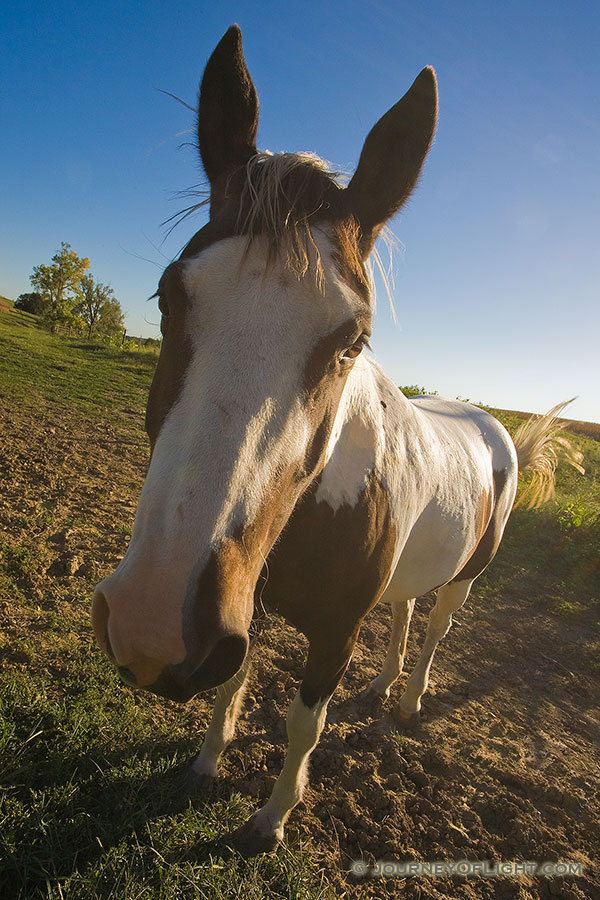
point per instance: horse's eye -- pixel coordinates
(163, 306)
(356, 349)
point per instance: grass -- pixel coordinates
(551, 553)
(38, 369)
(94, 799)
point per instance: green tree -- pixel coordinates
(31, 303)
(94, 297)
(99, 308)
(59, 284)
(112, 318)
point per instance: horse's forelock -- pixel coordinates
(283, 197)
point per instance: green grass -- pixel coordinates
(37, 368)
(551, 553)
(95, 800)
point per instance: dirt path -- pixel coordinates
(504, 766)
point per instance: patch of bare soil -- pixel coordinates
(504, 765)
(68, 494)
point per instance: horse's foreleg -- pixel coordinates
(219, 733)
(305, 720)
(402, 611)
(450, 598)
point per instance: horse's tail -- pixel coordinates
(540, 446)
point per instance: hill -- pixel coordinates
(587, 429)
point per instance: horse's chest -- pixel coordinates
(330, 567)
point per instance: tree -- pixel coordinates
(112, 318)
(93, 297)
(31, 303)
(59, 283)
(99, 308)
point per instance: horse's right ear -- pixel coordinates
(227, 109)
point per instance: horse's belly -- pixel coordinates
(408, 581)
(436, 549)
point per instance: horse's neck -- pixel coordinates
(373, 413)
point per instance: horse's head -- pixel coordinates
(264, 317)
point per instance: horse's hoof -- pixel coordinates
(375, 689)
(405, 721)
(249, 840)
(372, 699)
(202, 784)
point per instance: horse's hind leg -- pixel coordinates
(450, 598)
(227, 708)
(402, 611)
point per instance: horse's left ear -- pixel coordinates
(392, 158)
(227, 109)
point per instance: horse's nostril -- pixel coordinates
(224, 660)
(219, 666)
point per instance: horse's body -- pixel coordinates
(279, 447)
(416, 490)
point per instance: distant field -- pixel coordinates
(94, 796)
(588, 429)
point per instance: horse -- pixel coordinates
(285, 465)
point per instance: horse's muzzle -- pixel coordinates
(212, 659)
(222, 663)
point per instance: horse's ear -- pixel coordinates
(227, 110)
(392, 158)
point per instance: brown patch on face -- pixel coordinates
(315, 451)
(323, 381)
(489, 542)
(175, 353)
(223, 595)
(327, 571)
(323, 360)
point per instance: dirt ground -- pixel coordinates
(504, 765)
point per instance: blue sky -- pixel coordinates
(497, 287)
